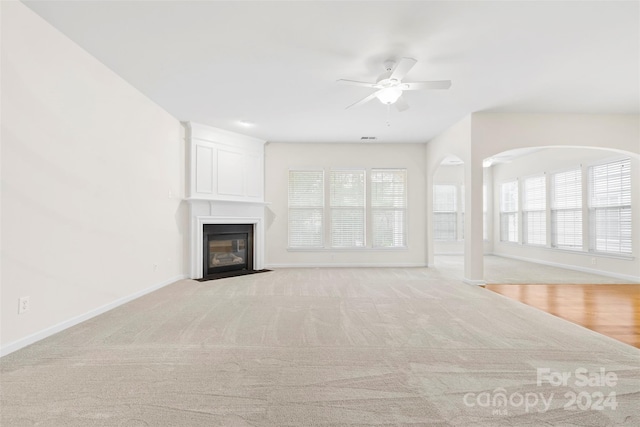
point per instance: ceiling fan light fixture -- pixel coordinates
(389, 86)
(389, 95)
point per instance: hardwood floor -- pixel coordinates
(612, 310)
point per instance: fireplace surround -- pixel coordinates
(224, 213)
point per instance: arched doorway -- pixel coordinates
(447, 215)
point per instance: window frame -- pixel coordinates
(320, 207)
(509, 217)
(368, 213)
(540, 211)
(452, 213)
(592, 210)
(403, 209)
(333, 209)
(555, 210)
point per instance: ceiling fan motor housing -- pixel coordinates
(390, 87)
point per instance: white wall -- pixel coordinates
(92, 182)
(280, 157)
(551, 160)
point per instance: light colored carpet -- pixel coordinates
(304, 347)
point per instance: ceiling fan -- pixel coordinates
(390, 86)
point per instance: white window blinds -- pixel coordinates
(347, 203)
(389, 207)
(610, 207)
(509, 211)
(306, 208)
(444, 212)
(534, 205)
(566, 209)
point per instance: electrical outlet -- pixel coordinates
(23, 305)
(594, 261)
(155, 266)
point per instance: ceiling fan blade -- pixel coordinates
(364, 100)
(402, 68)
(436, 84)
(356, 83)
(401, 104)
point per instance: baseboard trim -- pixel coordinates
(474, 282)
(350, 265)
(35, 337)
(572, 267)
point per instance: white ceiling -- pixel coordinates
(276, 63)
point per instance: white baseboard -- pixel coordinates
(474, 282)
(30, 339)
(573, 267)
(350, 265)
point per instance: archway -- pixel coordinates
(447, 215)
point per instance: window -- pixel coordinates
(388, 207)
(306, 208)
(444, 212)
(509, 212)
(347, 209)
(347, 203)
(610, 207)
(566, 209)
(534, 215)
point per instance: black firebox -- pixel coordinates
(228, 248)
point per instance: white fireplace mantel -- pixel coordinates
(225, 185)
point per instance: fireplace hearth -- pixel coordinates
(227, 250)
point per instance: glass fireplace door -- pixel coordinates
(227, 251)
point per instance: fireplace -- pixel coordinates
(227, 249)
(206, 213)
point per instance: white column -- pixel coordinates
(473, 241)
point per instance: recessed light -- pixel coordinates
(246, 123)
